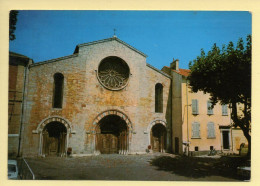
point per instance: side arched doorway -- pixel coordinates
(158, 138)
(54, 139)
(112, 135)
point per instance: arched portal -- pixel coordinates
(158, 138)
(42, 130)
(54, 139)
(112, 135)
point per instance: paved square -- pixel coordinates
(110, 167)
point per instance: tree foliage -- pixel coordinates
(12, 24)
(225, 73)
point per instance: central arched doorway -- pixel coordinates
(112, 135)
(54, 139)
(158, 138)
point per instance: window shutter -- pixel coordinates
(197, 106)
(211, 130)
(198, 130)
(224, 110)
(195, 109)
(195, 130)
(209, 109)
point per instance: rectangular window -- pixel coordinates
(195, 107)
(224, 110)
(211, 130)
(195, 130)
(196, 148)
(209, 109)
(159, 98)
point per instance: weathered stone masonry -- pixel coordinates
(86, 101)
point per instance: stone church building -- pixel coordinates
(105, 98)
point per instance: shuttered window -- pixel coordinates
(224, 110)
(195, 130)
(195, 106)
(211, 130)
(209, 109)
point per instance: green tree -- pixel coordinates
(12, 24)
(226, 75)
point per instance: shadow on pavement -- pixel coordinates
(197, 167)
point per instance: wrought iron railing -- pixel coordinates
(25, 172)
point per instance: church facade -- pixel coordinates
(105, 98)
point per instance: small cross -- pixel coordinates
(114, 32)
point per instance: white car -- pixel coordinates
(12, 169)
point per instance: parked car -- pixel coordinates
(12, 169)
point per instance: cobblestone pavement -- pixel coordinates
(107, 167)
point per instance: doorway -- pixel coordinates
(54, 139)
(225, 137)
(112, 135)
(158, 138)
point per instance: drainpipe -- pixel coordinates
(22, 113)
(188, 138)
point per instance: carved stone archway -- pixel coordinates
(96, 124)
(150, 126)
(48, 120)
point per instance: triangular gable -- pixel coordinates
(106, 40)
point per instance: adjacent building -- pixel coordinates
(18, 65)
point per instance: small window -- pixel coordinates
(159, 98)
(209, 109)
(196, 148)
(195, 107)
(58, 90)
(211, 147)
(195, 130)
(211, 130)
(224, 110)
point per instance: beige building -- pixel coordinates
(200, 127)
(105, 98)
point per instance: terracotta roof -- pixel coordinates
(183, 72)
(17, 55)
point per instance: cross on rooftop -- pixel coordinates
(114, 32)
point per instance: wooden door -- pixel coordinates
(158, 138)
(53, 146)
(108, 143)
(156, 144)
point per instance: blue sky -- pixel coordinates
(162, 35)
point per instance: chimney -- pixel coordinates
(175, 65)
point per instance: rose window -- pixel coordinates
(113, 73)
